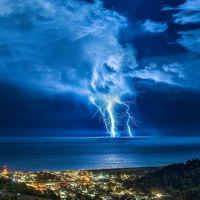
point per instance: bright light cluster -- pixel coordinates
(113, 119)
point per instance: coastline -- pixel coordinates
(106, 170)
(116, 183)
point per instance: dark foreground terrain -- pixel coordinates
(174, 182)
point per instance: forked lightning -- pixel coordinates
(111, 118)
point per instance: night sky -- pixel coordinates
(56, 54)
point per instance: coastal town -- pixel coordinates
(104, 184)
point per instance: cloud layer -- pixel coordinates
(188, 12)
(154, 27)
(73, 46)
(183, 68)
(64, 45)
(190, 40)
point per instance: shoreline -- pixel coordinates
(127, 169)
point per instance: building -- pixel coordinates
(5, 171)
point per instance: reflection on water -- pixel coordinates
(95, 153)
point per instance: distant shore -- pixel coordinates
(112, 170)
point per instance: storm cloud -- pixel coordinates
(55, 55)
(64, 45)
(74, 46)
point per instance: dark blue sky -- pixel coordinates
(56, 54)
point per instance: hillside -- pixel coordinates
(181, 181)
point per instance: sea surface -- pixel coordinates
(58, 153)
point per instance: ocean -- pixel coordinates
(64, 153)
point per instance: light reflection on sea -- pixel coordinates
(54, 153)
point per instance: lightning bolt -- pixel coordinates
(111, 118)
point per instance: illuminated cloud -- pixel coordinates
(166, 8)
(190, 40)
(166, 73)
(73, 46)
(181, 70)
(154, 27)
(188, 12)
(64, 46)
